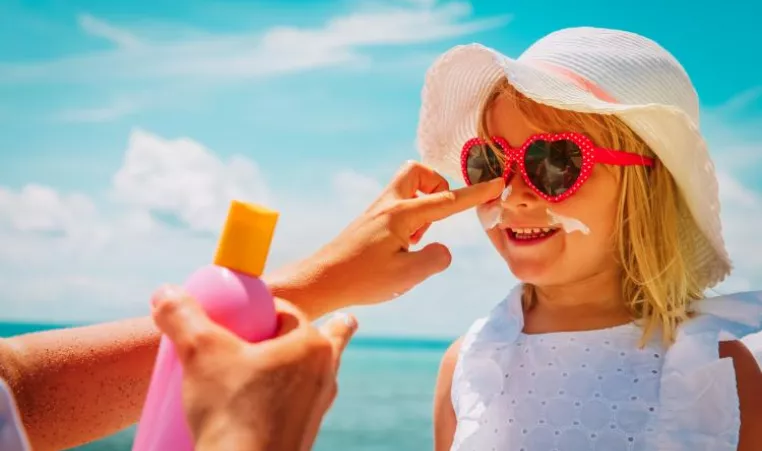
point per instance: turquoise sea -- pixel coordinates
(385, 397)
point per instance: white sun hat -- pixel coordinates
(589, 70)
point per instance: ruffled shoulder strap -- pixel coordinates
(478, 374)
(699, 399)
(501, 325)
(736, 315)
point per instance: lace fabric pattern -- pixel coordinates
(597, 390)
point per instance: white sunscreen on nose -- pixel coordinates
(568, 224)
(506, 192)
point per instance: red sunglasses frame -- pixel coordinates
(591, 155)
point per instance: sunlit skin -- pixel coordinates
(576, 275)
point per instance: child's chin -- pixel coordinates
(534, 273)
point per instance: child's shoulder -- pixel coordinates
(442, 395)
(450, 356)
(445, 420)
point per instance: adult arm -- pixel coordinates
(749, 384)
(76, 385)
(444, 414)
(81, 384)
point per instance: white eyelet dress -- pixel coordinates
(597, 390)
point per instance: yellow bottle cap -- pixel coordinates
(246, 238)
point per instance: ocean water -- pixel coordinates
(385, 397)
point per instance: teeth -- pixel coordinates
(531, 231)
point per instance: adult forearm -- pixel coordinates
(79, 384)
(306, 286)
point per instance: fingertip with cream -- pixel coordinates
(349, 320)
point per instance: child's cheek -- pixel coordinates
(490, 214)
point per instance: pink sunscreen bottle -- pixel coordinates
(233, 296)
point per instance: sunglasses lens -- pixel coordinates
(553, 166)
(483, 163)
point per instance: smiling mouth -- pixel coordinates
(527, 235)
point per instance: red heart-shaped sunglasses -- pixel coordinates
(554, 165)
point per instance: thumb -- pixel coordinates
(339, 330)
(184, 322)
(431, 259)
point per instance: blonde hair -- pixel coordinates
(655, 260)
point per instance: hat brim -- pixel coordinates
(459, 82)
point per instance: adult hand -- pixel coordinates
(371, 260)
(240, 396)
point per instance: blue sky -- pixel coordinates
(125, 128)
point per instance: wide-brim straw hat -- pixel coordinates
(589, 70)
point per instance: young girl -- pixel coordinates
(610, 219)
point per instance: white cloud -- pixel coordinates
(383, 27)
(184, 179)
(357, 190)
(742, 220)
(171, 60)
(96, 27)
(120, 107)
(42, 209)
(280, 49)
(734, 133)
(740, 102)
(63, 258)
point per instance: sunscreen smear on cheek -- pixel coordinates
(490, 214)
(569, 224)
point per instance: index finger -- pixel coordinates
(438, 206)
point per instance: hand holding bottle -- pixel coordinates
(264, 396)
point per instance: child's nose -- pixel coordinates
(517, 194)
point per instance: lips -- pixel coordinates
(530, 234)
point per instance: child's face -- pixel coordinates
(561, 258)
